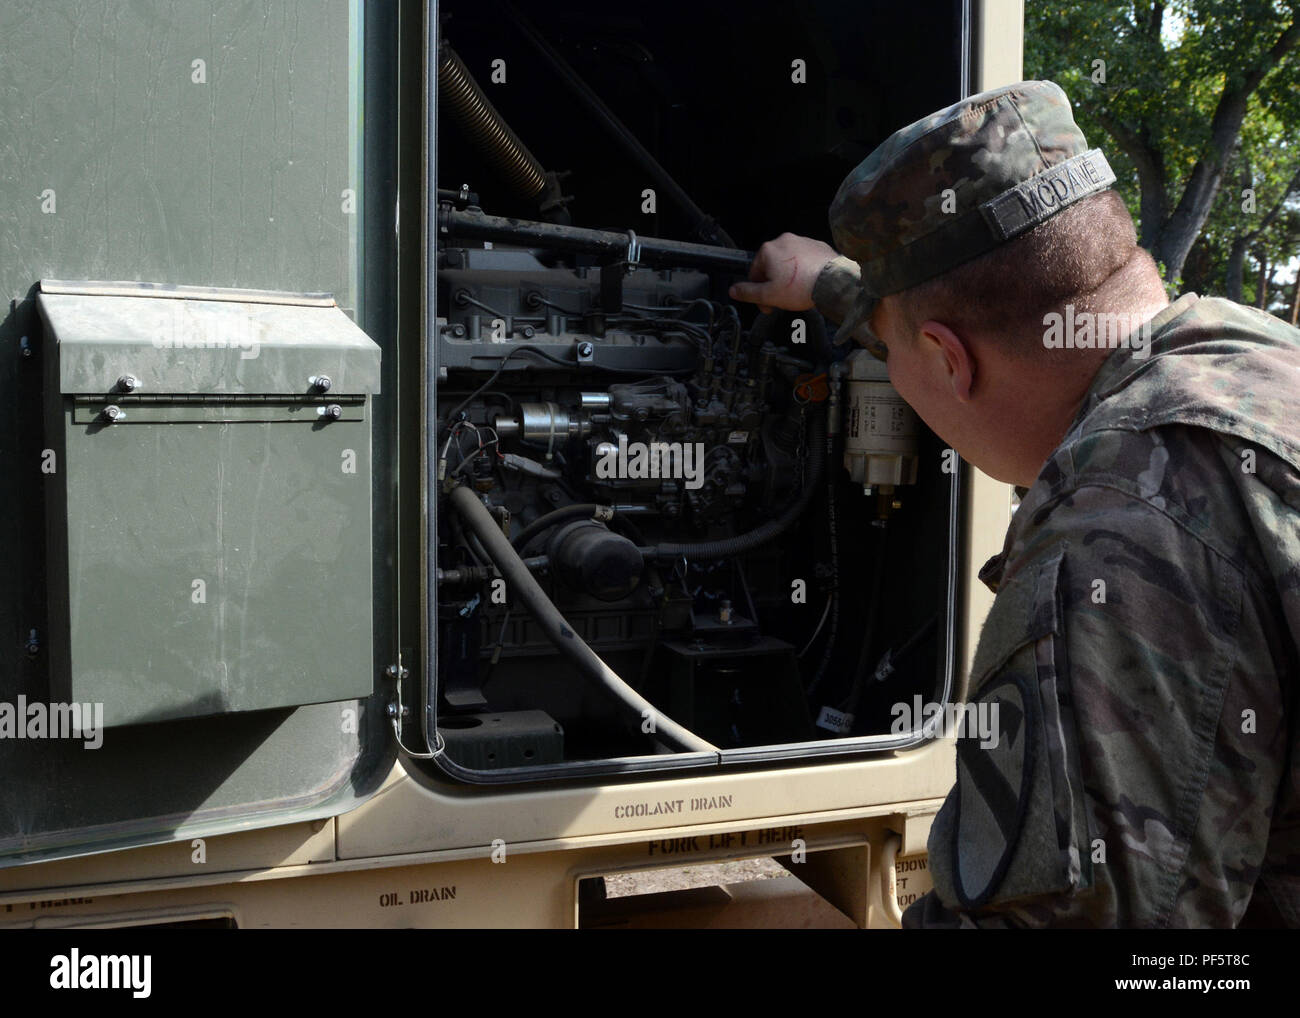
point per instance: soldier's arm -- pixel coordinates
(784, 274)
(1120, 654)
(836, 288)
(797, 273)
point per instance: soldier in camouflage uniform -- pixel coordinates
(1141, 647)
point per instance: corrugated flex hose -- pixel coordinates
(486, 127)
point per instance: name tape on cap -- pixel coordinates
(1034, 200)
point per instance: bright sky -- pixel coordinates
(1171, 30)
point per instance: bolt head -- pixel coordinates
(128, 383)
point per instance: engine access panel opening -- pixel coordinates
(749, 534)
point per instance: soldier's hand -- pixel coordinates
(783, 273)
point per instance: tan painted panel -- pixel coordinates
(407, 815)
(999, 44)
(292, 844)
(917, 834)
(524, 890)
(988, 514)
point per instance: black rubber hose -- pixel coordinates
(581, 511)
(578, 511)
(822, 348)
(742, 543)
(529, 592)
(850, 704)
(832, 532)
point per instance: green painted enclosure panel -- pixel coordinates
(212, 144)
(210, 552)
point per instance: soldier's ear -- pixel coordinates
(952, 356)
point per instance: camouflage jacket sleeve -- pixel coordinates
(837, 294)
(1130, 665)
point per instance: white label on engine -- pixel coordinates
(738, 438)
(835, 721)
(884, 415)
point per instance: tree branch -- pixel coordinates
(1152, 178)
(1194, 206)
(1276, 210)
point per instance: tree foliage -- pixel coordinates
(1196, 104)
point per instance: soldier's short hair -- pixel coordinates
(1006, 293)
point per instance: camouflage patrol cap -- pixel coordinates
(960, 182)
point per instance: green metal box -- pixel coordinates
(207, 498)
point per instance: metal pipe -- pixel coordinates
(889, 881)
(475, 225)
